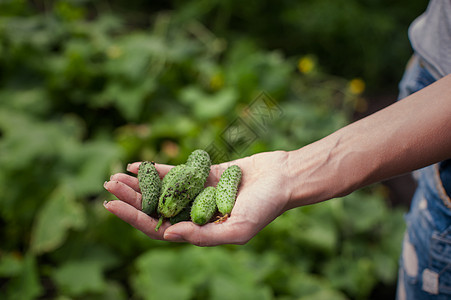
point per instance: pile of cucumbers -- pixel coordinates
(181, 195)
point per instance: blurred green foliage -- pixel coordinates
(86, 87)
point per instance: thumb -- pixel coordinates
(211, 234)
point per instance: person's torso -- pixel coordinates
(430, 36)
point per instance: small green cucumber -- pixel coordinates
(179, 192)
(184, 215)
(204, 206)
(150, 186)
(200, 160)
(183, 184)
(227, 189)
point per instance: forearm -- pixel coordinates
(405, 136)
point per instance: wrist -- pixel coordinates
(321, 171)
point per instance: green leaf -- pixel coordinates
(159, 276)
(172, 124)
(10, 264)
(91, 162)
(206, 106)
(129, 97)
(216, 272)
(227, 287)
(370, 210)
(355, 276)
(58, 215)
(26, 285)
(320, 235)
(33, 100)
(76, 278)
(312, 287)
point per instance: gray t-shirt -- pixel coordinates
(430, 36)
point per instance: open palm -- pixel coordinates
(262, 196)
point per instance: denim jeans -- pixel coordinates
(425, 263)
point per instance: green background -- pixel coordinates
(89, 86)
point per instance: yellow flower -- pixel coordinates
(216, 82)
(114, 52)
(356, 86)
(306, 64)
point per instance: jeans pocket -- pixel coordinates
(445, 176)
(440, 260)
(441, 177)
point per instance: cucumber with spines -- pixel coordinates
(183, 185)
(171, 174)
(150, 186)
(227, 188)
(204, 206)
(200, 160)
(179, 192)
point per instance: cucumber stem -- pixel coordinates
(160, 221)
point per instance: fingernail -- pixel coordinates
(104, 185)
(128, 167)
(173, 237)
(105, 203)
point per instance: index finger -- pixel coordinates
(136, 218)
(161, 168)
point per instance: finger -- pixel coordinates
(133, 167)
(211, 234)
(131, 181)
(136, 218)
(161, 168)
(215, 174)
(124, 192)
(217, 170)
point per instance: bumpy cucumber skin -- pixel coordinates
(204, 206)
(184, 215)
(184, 184)
(171, 174)
(150, 186)
(227, 189)
(179, 192)
(200, 160)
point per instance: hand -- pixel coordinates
(262, 196)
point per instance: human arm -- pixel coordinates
(405, 136)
